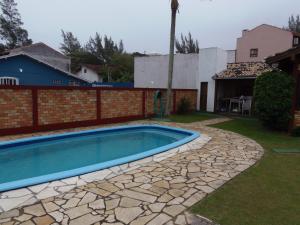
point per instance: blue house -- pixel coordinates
(25, 69)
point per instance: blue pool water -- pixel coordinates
(37, 160)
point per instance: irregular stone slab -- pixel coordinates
(137, 195)
(44, 220)
(160, 219)
(111, 204)
(58, 216)
(17, 193)
(174, 210)
(87, 220)
(23, 217)
(143, 219)
(99, 204)
(8, 214)
(78, 211)
(127, 215)
(157, 207)
(11, 203)
(88, 198)
(36, 210)
(180, 220)
(129, 202)
(71, 203)
(50, 206)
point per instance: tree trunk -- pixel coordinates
(174, 7)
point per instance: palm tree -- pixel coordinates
(174, 9)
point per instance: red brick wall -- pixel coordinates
(65, 106)
(15, 108)
(115, 103)
(189, 94)
(297, 118)
(42, 108)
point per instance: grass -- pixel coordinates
(266, 194)
(194, 117)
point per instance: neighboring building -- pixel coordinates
(237, 80)
(90, 72)
(263, 41)
(43, 52)
(24, 69)
(289, 62)
(191, 71)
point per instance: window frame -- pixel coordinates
(253, 52)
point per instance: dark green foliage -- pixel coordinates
(273, 99)
(11, 32)
(296, 132)
(117, 64)
(184, 106)
(70, 44)
(294, 23)
(187, 45)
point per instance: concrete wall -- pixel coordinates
(267, 39)
(189, 71)
(211, 61)
(152, 71)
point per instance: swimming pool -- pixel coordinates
(31, 161)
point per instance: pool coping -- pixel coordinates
(32, 194)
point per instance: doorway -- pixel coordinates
(203, 96)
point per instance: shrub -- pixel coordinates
(273, 93)
(184, 106)
(296, 132)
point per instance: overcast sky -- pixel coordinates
(144, 25)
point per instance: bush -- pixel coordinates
(184, 106)
(273, 93)
(296, 132)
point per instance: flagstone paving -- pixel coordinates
(154, 194)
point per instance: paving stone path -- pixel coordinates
(158, 193)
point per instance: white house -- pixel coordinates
(191, 71)
(90, 72)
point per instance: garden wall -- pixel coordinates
(29, 109)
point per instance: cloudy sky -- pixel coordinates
(143, 25)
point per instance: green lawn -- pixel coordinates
(194, 117)
(266, 194)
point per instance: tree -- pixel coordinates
(11, 31)
(187, 45)
(294, 23)
(174, 9)
(273, 94)
(70, 44)
(104, 48)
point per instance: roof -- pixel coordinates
(96, 68)
(245, 70)
(40, 46)
(45, 63)
(282, 29)
(283, 55)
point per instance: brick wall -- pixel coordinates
(189, 94)
(29, 109)
(15, 108)
(115, 103)
(297, 118)
(65, 106)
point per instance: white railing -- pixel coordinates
(9, 81)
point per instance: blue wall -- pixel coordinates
(34, 72)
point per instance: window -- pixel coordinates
(253, 52)
(57, 82)
(84, 70)
(296, 41)
(9, 81)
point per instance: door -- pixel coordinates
(203, 96)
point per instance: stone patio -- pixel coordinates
(154, 193)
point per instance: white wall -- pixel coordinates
(211, 61)
(152, 71)
(90, 75)
(189, 71)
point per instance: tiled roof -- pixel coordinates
(243, 70)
